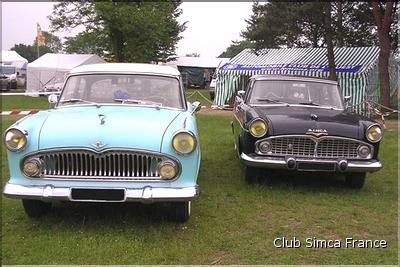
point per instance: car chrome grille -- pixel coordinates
(107, 165)
(296, 145)
(305, 146)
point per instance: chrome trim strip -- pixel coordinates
(280, 163)
(146, 194)
(317, 140)
(241, 126)
(294, 105)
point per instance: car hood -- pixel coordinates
(298, 120)
(123, 126)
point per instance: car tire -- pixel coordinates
(35, 208)
(355, 180)
(181, 211)
(252, 175)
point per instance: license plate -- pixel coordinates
(82, 194)
(316, 166)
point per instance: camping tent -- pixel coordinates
(13, 58)
(193, 68)
(50, 70)
(356, 68)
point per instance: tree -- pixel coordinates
(26, 51)
(52, 44)
(88, 43)
(301, 24)
(383, 20)
(235, 48)
(194, 54)
(329, 41)
(140, 31)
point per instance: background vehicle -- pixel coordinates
(8, 77)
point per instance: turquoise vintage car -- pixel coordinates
(118, 132)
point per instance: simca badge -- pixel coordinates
(317, 132)
(98, 145)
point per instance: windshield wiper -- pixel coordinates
(137, 101)
(75, 100)
(310, 104)
(269, 100)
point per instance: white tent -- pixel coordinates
(13, 58)
(49, 71)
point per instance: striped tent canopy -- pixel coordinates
(356, 68)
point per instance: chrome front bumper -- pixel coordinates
(146, 195)
(280, 163)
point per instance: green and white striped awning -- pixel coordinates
(355, 67)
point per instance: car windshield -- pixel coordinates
(7, 70)
(295, 92)
(122, 89)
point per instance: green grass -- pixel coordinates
(23, 103)
(231, 223)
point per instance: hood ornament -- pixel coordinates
(102, 118)
(317, 132)
(98, 145)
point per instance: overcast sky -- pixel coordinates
(211, 26)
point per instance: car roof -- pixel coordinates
(291, 78)
(129, 68)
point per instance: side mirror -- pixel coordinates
(196, 106)
(241, 93)
(53, 98)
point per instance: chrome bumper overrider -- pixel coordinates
(146, 195)
(281, 163)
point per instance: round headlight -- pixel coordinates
(265, 146)
(258, 128)
(167, 169)
(374, 133)
(184, 142)
(15, 139)
(31, 167)
(363, 151)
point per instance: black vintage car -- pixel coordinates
(301, 124)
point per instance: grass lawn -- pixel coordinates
(231, 223)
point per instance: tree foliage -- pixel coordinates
(140, 31)
(301, 24)
(235, 48)
(52, 44)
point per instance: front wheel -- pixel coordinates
(355, 180)
(35, 208)
(181, 211)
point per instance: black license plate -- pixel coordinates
(316, 166)
(80, 194)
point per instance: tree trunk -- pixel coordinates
(329, 42)
(340, 39)
(383, 24)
